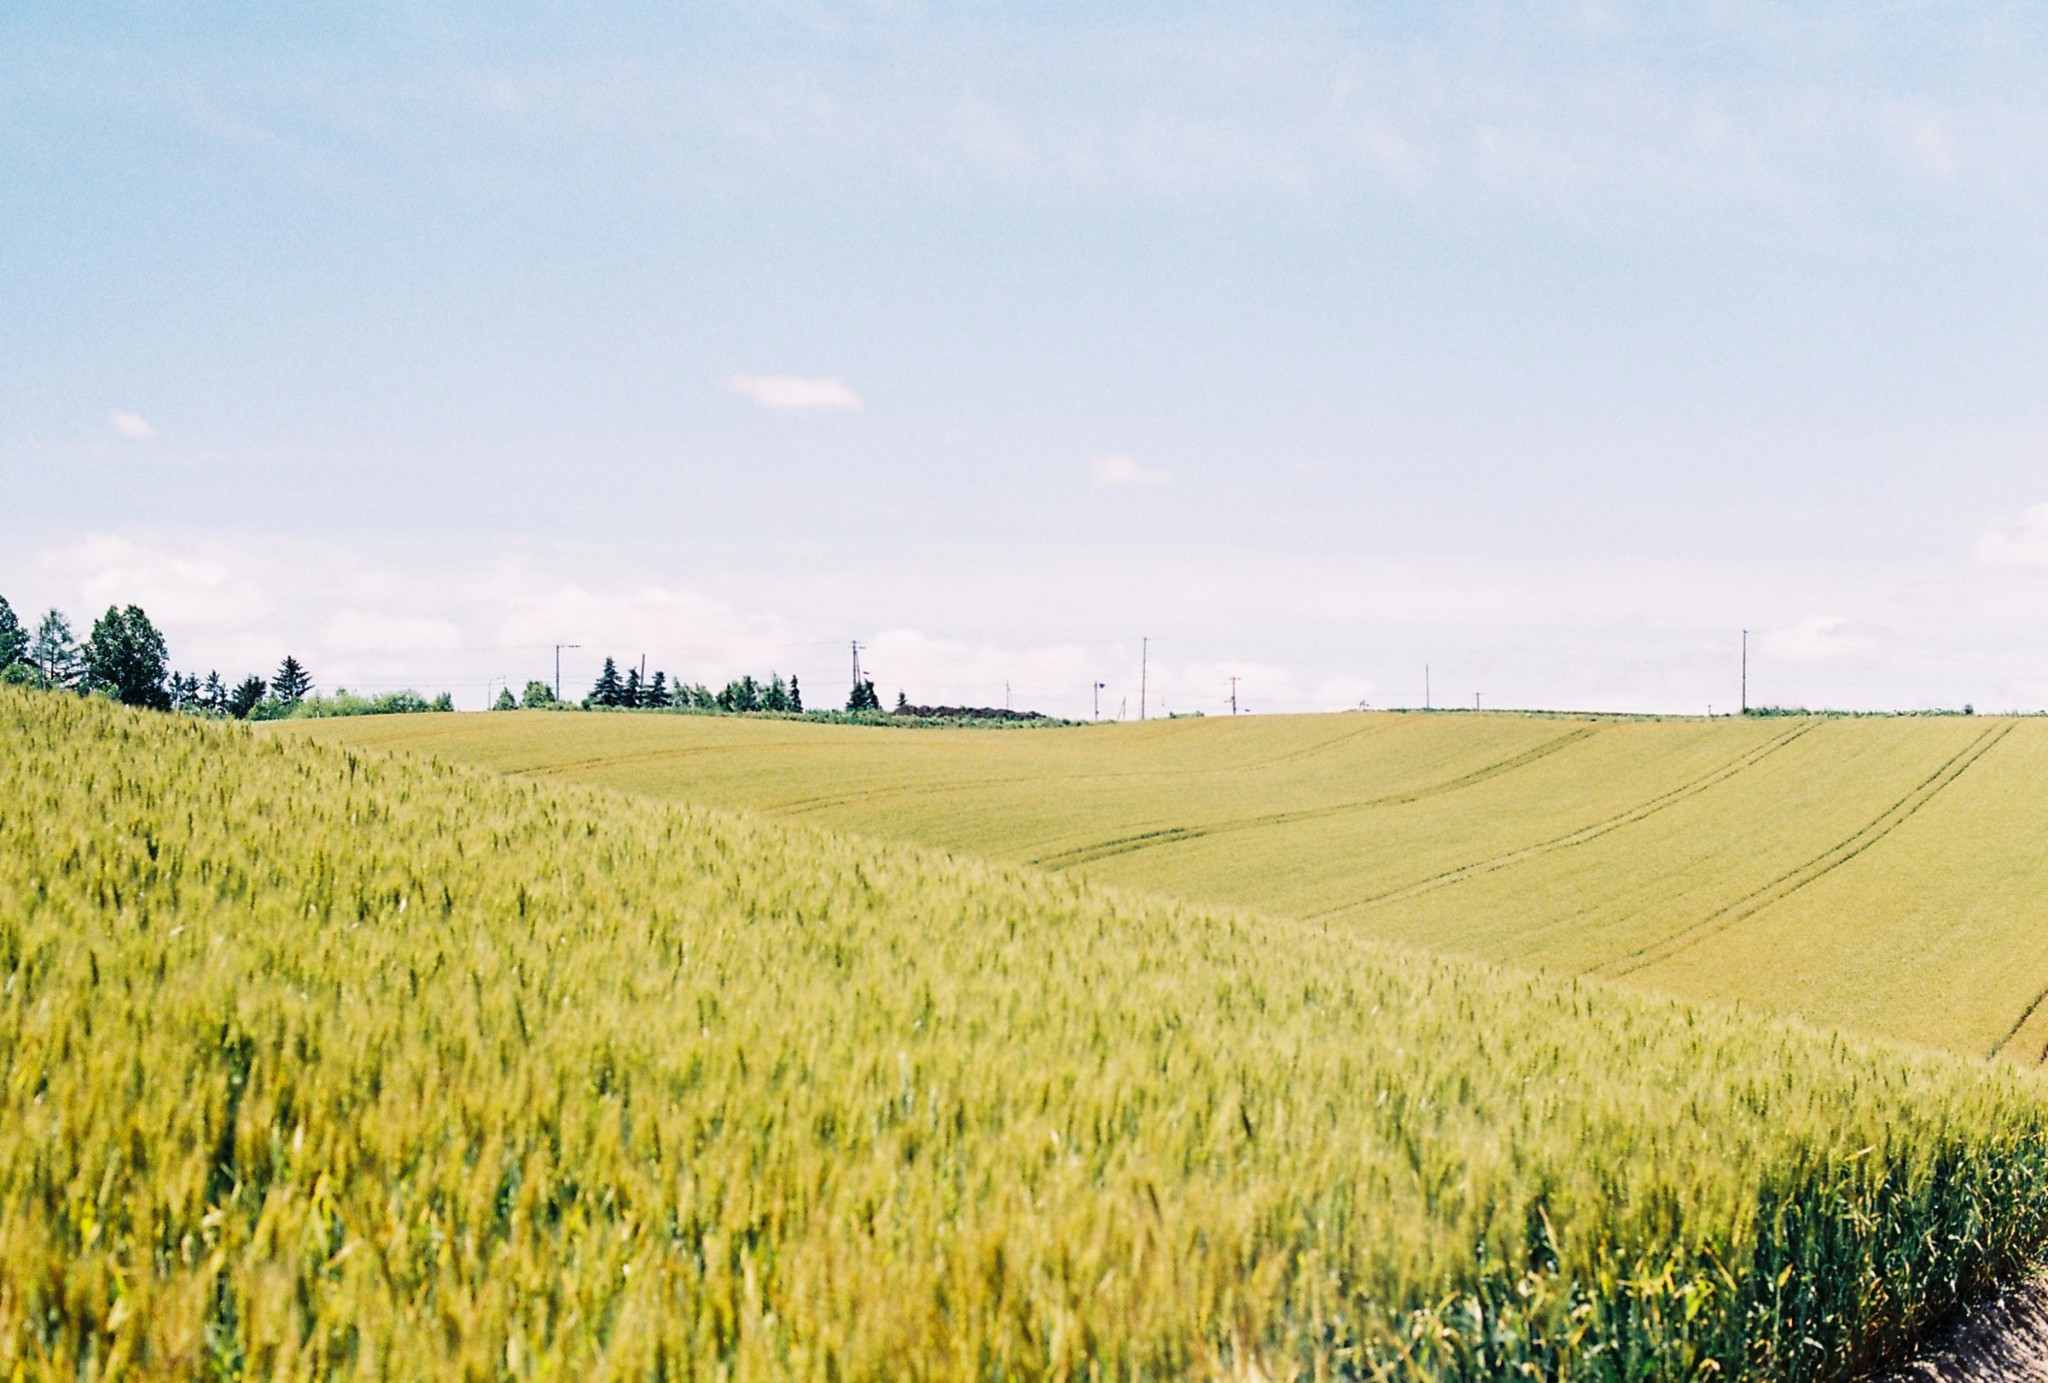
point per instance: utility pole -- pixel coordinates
(1006, 693)
(1475, 701)
(856, 664)
(1425, 686)
(1233, 695)
(1745, 672)
(558, 666)
(1144, 656)
(1098, 699)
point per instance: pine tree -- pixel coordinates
(902, 704)
(55, 653)
(629, 691)
(125, 657)
(244, 698)
(292, 682)
(796, 695)
(214, 695)
(863, 697)
(504, 701)
(775, 696)
(607, 690)
(13, 638)
(656, 692)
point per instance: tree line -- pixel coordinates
(630, 692)
(125, 658)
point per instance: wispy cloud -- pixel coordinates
(131, 427)
(793, 393)
(1119, 469)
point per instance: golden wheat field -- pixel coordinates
(321, 1064)
(1884, 875)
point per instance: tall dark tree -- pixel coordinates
(796, 695)
(863, 697)
(656, 691)
(214, 695)
(13, 638)
(629, 690)
(55, 653)
(292, 682)
(775, 696)
(608, 690)
(244, 698)
(125, 658)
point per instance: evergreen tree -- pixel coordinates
(13, 638)
(656, 694)
(125, 658)
(902, 704)
(214, 695)
(775, 696)
(629, 690)
(55, 653)
(504, 701)
(245, 697)
(863, 697)
(607, 690)
(796, 695)
(537, 696)
(292, 682)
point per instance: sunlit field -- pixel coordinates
(316, 1063)
(1884, 875)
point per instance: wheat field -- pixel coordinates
(1883, 875)
(317, 1063)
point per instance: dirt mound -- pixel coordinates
(2003, 1341)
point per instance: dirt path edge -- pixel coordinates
(2005, 1340)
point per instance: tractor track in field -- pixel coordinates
(1166, 835)
(1582, 835)
(1821, 865)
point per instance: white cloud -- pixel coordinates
(131, 427)
(1119, 469)
(793, 393)
(2020, 542)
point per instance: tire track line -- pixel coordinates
(1821, 865)
(1581, 836)
(1122, 845)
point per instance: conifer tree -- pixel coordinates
(629, 690)
(902, 704)
(796, 695)
(504, 701)
(13, 638)
(55, 653)
(655, 694)
(775, 696)
(607, 690)
(292, 682)
(214, 695)
(244, 698)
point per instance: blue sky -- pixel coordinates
(1546, 345)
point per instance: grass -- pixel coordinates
(315, 1064)
(1882, 875)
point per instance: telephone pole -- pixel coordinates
(558, 666)
(1144, 656)
(1233, 695)
(1098, 699)
(856, 664)
(1425, 686)
(1475, 701)
(1745, 672)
